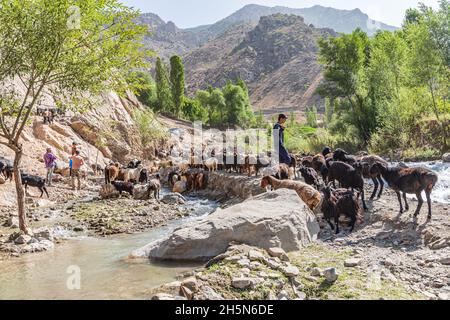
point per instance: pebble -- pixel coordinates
(316, 272)
(278, 253)
(290, 271)
(242, 283)
(350, 263)
(331, 275)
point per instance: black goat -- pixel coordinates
(348, 177)
(310, 176)
(134, 164)
(408, 180)
(340, 202)
(123, 187)
(6, 168)
(34, 181)
(343, 156)
(143, 176)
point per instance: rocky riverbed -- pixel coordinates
(70, 214)
(387, 257)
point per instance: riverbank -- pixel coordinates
(387, 257)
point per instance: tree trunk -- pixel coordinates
(20, 193)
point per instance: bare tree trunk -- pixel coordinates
(20, 192)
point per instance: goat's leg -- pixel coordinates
(352, 223)
(331, 224)
(42, 191)
(363, 200)
(406, 202)
(375, 189)
(45, 190)
(336, 221)
(419, 206)
(380, 180)
(399, 197)
(428, 193)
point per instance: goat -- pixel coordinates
(408, 181)
(212, 164)
(155, 186)
(343, 156)
(34, 181)
(123, 187)
(173, 178)
(348, 177)
(310, 176)
(365, 163)
(143, 176)
(134, 164)
(340, 202)
(6, 168)
(112, 172)
(133, 174)
(308, 194)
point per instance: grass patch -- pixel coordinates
(352, 284)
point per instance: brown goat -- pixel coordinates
(308, 194)
(408, 181)
(112, 172)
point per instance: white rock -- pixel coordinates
(290, 271)
(350, 263)
(278, 253)
(277, 218)
(331, 275)
(242, 283)
(22, 239)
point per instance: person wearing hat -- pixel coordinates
(283, 153)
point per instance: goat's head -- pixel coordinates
(326, 151)
(340, 154)
(265, 182)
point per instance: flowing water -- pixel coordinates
(105, 271)
(441, 192)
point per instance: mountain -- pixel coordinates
(277, 58)
(166, 38)
(344, 21)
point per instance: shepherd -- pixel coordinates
(284, 156)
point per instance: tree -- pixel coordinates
(194, 111)
(311, 116)
(144, 87)
(429, 67)
(345, 60)
(46, 47)
(177, 82)
(163, 91)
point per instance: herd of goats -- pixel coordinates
(320, 173)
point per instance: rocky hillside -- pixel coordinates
(106, 132)
(166, 38)
(277, 58)
(323, 17)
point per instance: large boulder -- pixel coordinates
(446, 157)
(277, 219)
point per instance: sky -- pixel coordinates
(192, 13)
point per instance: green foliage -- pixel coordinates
(149, 128)
(311, 116)
(144, 87)
(177, 84)
(385, 92)
(194, 111)
(163, 89)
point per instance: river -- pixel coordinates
(105, 271)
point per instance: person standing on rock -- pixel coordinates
(284, 156)
(77, 163)
(50, 164)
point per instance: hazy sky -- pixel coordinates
(192, 13)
